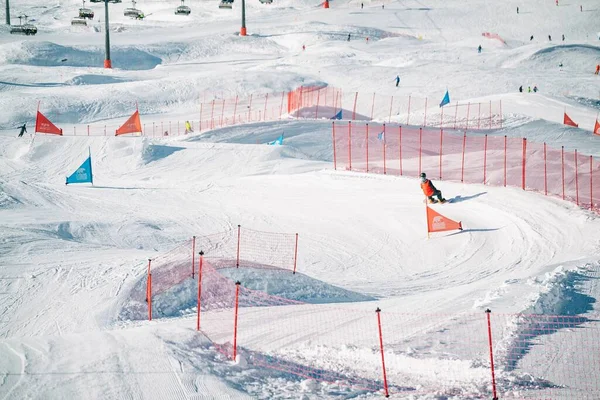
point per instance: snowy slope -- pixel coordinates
(71, 256)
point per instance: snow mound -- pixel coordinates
(549, 58)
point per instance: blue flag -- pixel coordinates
(83, 173)
(278, 141)
(381, 135)
(445, 100)
(338, 115)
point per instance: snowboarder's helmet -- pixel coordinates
(423, 175)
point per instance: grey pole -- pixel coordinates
(7, 13)
(107, 63)
(243, 31)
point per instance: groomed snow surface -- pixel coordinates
(73, 259)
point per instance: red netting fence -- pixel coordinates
(447, 155)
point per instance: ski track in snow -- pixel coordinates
(71, 256)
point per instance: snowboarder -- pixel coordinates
(23, 129)
(528, 89)
(521, 89)
(597, 69)
(303, 47)
(581, 8)
(563, 37)
(383, 6)
(348, 37)
(535, 89)
(429, 190)
(188, 127)
(557, 3)
(549, 38)
(517, 10)
(479, 49)
(397, 80)
(531, 38)
(560, 66)
(361, 6)
(166, 133)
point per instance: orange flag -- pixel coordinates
(438, 223)
(43, 125)
(569, 121)
(132, 125)
(597, 128)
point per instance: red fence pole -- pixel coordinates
(235, 108)
(442, 118)
(489, 326)
(400, 147)
(235, 318)
(149, 291)
(384, 146)
(484, 158)
(468, 112)
(545, 172)
(425, 116)
(333, 139)
(462, 174)
(420, 147)
(222, 112)
(591, 187)
(372, 106)
(385, 384)
(524, 163)
(199, 303)
(295, 254)
(237, 263)
(354, 109)
(193, 254)
(391, 105)
(576, 180)
(562, 160)
(350, 145)
(504, 160)
(367, 146)
(441, 144)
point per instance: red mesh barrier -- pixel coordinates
(493, 160)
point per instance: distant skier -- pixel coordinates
(531, 38)
(303, 47)
(517, 10)
(166, 133)
(563, 37)
(581, 8)
(557, 3)
(535, 89)
(348, 37)
(479, 49)
(397, 80)
(383, 6)
(549, 38)
(528, 89)
(23, 129)
(521, 89)
(361, 6)
(560, 66)
(597, 69)
(188, 127)
(429, 190)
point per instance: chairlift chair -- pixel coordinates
(23, 29)
(183, 10)
(79, 21)
(227, 4)
(133, 12)
(86, 12)
(266, 1)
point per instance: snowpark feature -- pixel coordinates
(74, 258)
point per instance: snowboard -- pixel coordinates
(438, 202)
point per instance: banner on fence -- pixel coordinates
(83, 174)
(43, 125)
(436, 222)
(568, 121)
(597, 128)
(132, 125)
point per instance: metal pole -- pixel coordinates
(7, 13)
(107, 62)
(243, 30)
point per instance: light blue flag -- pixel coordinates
(278, 141)
(445, 100)
(338, 115)
(83, 174)
(381, 135)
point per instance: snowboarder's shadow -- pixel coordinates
(460, 198)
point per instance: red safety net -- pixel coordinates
(484, 159)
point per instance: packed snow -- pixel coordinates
(73, 258)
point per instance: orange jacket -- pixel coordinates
(428, 188)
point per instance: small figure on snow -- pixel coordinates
(581, 8)
(429, 190)
(23, 129)
(166, 133)
(597, 69)
(535, 89)
(348, 37)
(479, 49)
(383, 6)
(517, 10)
(528, 89)
(560, 66)
(521, 89)
(361, 6)
(397, 80)
(303, 47)
(188, 127)
(531, 38)
(549, 38)
(557, 3)
(563, 37)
